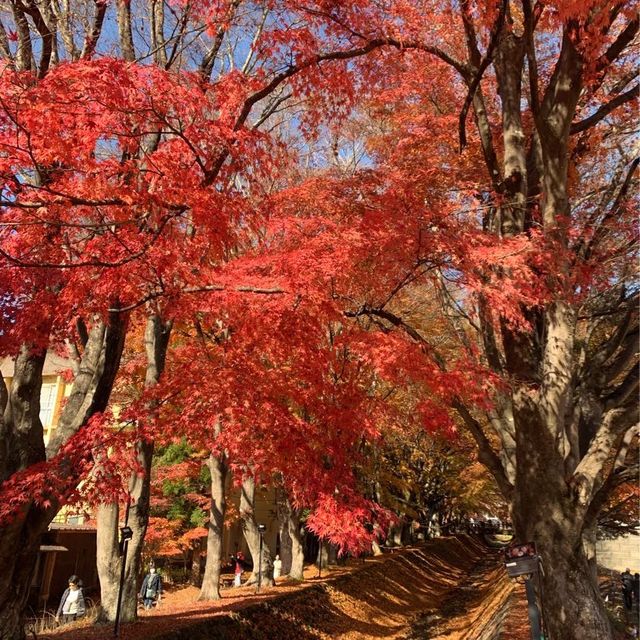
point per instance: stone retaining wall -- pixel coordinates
(619, 554)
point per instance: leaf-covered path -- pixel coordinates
(450, 588)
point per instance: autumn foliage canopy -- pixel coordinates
(290, 216)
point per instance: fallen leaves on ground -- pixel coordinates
(379, 598)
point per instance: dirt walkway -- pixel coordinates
(473, 611)
(443, 590)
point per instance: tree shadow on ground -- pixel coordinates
(378, 600)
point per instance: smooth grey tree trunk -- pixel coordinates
(210, 589)
(286, 543)
(297, 551)
(108, 559)
(252, 536)
(291, 550)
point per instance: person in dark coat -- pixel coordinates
(72, 605)
(151, 589)
(627, 589)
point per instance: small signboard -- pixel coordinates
(521, 559)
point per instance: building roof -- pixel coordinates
(63, 526)
(53, 365)
(52, 547)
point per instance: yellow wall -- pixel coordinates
(54, 391)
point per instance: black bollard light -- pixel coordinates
(261, 529)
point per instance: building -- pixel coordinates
(54, 389)
(69, 547)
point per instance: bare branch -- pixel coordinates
(5, 51)
(25, 52)
(45, 33)
(206, 66)
(613, 210)
(604, 110)
(618, 474)
(626, 389)
(486, 454)
(619, 45)
(63, 19)
(479, 72)
(203, 289)
(93, 36)
(317, 59)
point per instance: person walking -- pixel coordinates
(151, 590)
(627, 589)
(277, 567)
(238, 568)
(72, 605)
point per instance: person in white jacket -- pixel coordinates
(72, 605)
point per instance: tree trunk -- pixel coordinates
(291, 550)
(322, 559)
(544, 512)
(589, 539)
(286, 543)
(252, 536)
(196, 565)
(18, 555)
(211, 581)
(572, 605)
(23, 446)
(108, 560)
(296, 572)
(156, 343)
(108, 548)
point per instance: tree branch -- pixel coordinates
(25, 52)
(487, 456)
(203, 289)
(479, 72)
(91, 39)
(619, 45)
(127, 48)
(604, 110)
(206, 65)
(45, 33)
(618, 473)
(621, 394)
(293, 70)
(587, 477)
(5, 50)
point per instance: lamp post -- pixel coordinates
(126, 533)
(261, 529)
(522, 560)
